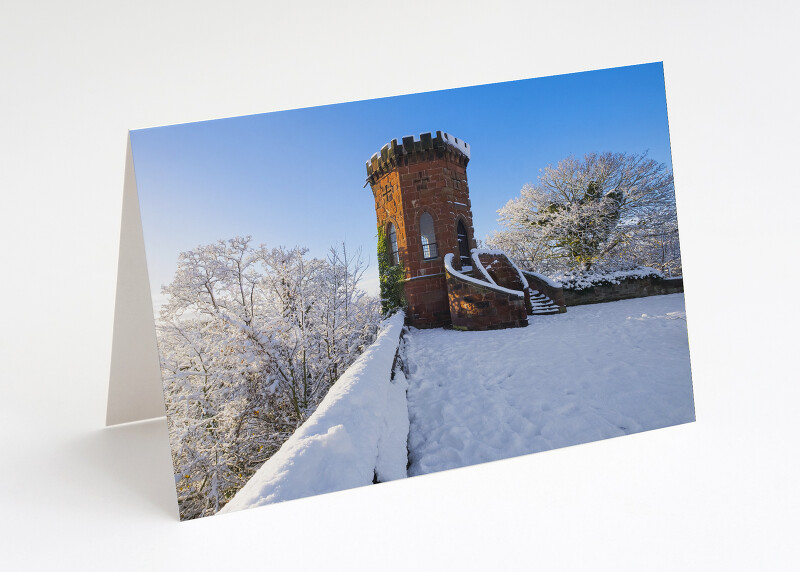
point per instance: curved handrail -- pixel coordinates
(448, 265)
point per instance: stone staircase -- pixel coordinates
(543, 296)
(541, 304)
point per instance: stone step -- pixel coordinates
(541, 304)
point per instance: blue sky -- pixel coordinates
(295, 177)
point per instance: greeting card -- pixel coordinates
(344, 295)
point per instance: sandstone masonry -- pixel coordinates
(408, 180)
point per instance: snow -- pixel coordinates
(476, 252)
(359, 431)
(459, 144)
(546, 279)
(448, 264)
(596, 372)
(493, 251)
(479, 265)
(582, 280)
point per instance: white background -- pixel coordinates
(719, 494)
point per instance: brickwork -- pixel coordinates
(627, 288)
(502, 271)
(407, 180)
(475, 307)
(430, 307)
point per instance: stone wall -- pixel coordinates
(557, 295)
(428, 305)
(502, 271)
(627, 288)
(475, 307)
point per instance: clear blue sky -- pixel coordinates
(295, 177)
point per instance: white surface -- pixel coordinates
(134, 387)
(546, 279)
(718, 494)
(596, 372)
(358, 430)
(587, 280)
(459, 144)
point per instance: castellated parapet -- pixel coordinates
(410, 150)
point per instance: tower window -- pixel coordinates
(428, 237)
(393, 245)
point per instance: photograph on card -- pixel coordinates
(362, 292)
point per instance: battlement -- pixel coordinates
(393, 153)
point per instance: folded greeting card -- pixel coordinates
(344, 295)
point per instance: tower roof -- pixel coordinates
(389, 154)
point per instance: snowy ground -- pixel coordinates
(598, 371)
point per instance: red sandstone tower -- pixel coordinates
(422, 204)
(423, 207)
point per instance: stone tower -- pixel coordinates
(422, 204)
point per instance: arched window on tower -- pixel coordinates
(393, 244)
(463, 245)
(428, 237)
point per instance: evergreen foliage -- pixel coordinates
(390, 276)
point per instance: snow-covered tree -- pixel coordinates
(604, 208)
(251, 339)
(655, 244)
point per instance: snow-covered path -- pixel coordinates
(597, 371)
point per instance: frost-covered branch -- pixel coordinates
(604, 208)
(251, 339)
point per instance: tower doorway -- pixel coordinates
(463, 245)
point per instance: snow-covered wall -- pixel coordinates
(481, 305)
(623, 288)
(358, 433)
(547, 286)
(451, 271)
(499, 262)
